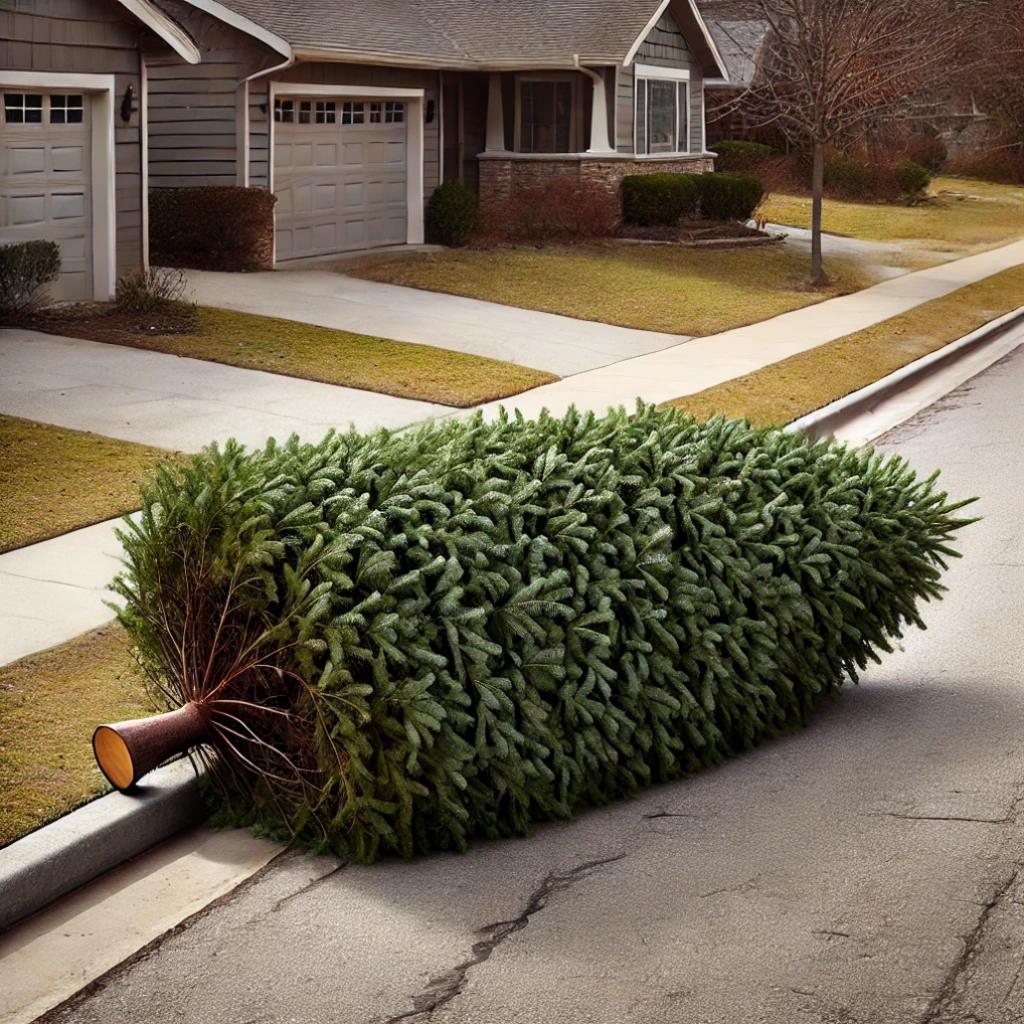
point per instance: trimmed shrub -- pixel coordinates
(212, 228)
(650, 200)
(145, 291)
(403, 641)
(25, 269)
(451, 214)
(912, 178)
(846, 178)
(740, 155)
(728, 195)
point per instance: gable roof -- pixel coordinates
(469, 34)
(738, 42)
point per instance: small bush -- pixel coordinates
(652, 200)
(739, 155)
(212, 228)
(452, 214)
(912, 178)
(25, 269)
(563, 208)
(144, 291)
(402, 641)
(728, 195)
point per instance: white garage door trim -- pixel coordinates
(413, 97)
(104, 225)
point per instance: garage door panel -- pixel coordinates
(350, 193)
(28, 160)
(68, 159)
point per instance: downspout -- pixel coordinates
(599, 142)
(244, 87)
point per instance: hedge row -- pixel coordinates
(212, 228)
(664, 199)
(469, 628)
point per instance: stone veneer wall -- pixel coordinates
(502, 178)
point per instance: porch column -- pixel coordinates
(495, 116)
(598, 114)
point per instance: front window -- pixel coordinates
(662, 124)
(545, 117)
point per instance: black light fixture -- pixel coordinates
(430, 111)
(127, 104)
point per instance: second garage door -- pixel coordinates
(340, 174)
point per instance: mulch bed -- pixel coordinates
(698, 234)
(103, 321)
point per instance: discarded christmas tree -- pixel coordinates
(397, 642)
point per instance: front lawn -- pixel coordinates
(49, 705)
(793, 387)
(55, 480)
(650, 287)
(966, 215)
(295, 349)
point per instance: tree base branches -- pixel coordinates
(404, 641)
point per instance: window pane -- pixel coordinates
(374, 113)
(23, 108)
(661, 117)
(545, 117)
(394, 113)
(65, 109)
(284, 111)
(326, 113)
(305, 112)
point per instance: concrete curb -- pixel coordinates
(74, 850)
(828, 420)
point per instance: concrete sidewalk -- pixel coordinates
(704, 362)
(543, 341)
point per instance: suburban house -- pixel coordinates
(73, 131)
(352, 113)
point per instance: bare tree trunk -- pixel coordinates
(818, 277)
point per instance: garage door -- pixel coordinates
(45, 186)
(340, 172)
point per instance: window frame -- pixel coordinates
(682, 120)
(575, 110)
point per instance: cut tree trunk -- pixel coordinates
(129, 750)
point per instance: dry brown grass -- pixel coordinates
(295, 349)
(967, 216)
(50, 703)
(653, 288)
(791, 388)
(54, 480)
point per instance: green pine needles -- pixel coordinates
(402, 641)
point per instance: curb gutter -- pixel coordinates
(827, 421)
(76, 849)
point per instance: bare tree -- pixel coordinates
(997, 86)
(831, 71)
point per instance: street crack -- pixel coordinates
(444, 988)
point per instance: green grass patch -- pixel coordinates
(653, 288)
(294, 349)
(793, 387)
(55, 480)
(965, 215)
(49, 705)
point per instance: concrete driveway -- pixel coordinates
(865, 870)
(544, 341)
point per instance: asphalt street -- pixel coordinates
(865, 870)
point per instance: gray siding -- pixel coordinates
(194, 120)
(88, 37)
(664, 47)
